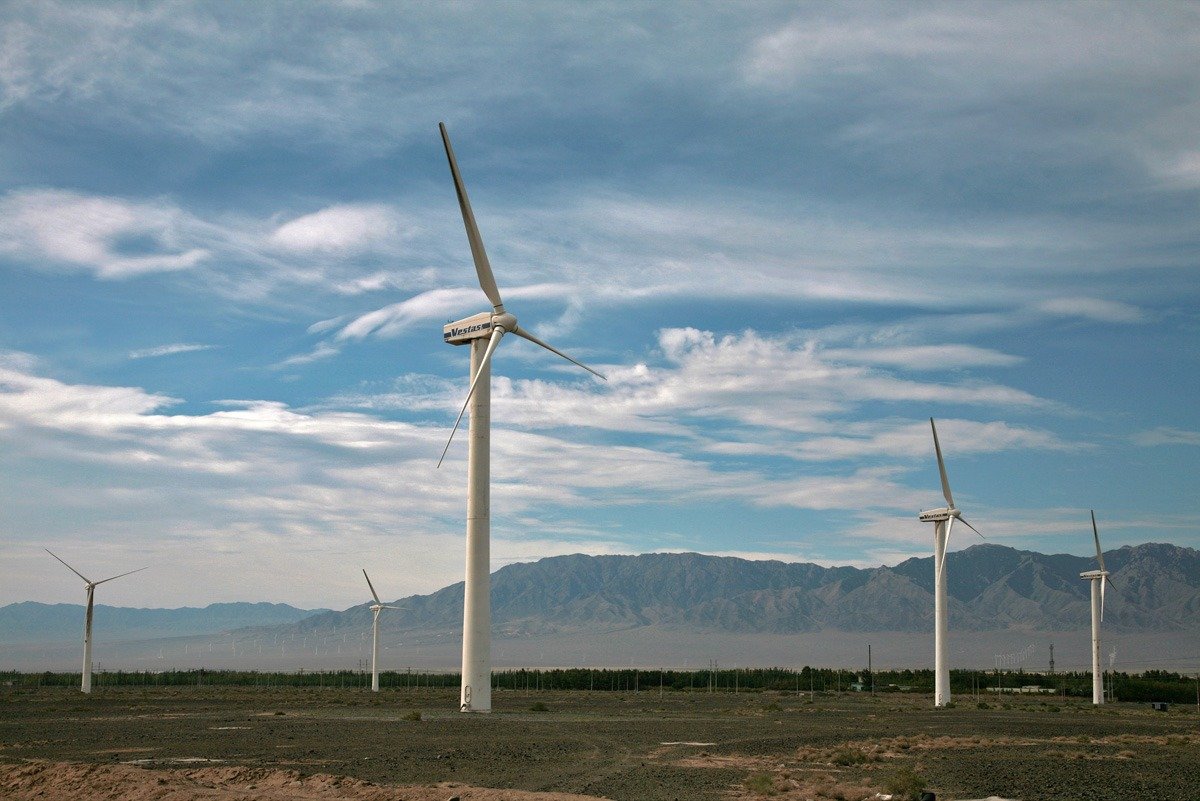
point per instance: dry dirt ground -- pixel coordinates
(230, 744)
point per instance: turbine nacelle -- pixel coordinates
(377, 608)
(938, 515)
(1094, 574)
(479, 326)
(461, 332)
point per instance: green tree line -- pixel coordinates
(1153, 685)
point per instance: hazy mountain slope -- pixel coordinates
(31, 622)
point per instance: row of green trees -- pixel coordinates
(1154, 685)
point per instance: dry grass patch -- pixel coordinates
(782, 785)
(735, 761)
(863, 751)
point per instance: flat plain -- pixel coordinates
(238, 742)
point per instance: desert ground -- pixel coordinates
(269, 743)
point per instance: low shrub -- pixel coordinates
(904, 785)
(849, 756)
(761, 783)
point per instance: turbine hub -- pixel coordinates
(504, 320)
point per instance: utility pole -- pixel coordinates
(870, 670)
(1051, 659)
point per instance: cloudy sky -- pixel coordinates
(788, 234)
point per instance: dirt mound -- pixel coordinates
(52, 781)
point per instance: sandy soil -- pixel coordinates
(51, 781)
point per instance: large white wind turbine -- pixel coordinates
(943, 520)
(376, 608)
(87, 620)
(1098, 578)
(483, 331)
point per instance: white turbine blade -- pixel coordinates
(487, 356)
(521, 332)
(941, 466)
(385, 606)
(487, 282)
(1096, 534)
(1107, 581)
(131, 572)
(946, 546)
(374, 594)
(968, 525)
(73, 570)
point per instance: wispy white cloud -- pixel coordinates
(762, 388)
(110, 237)
(899, 440)
(320, 352)
(1179, 170)
(1105, 311)
(849, 43)
(167, 350)
(395, 318)
(332, 252)
(1166, 435)
(338, 229)
(926, 357)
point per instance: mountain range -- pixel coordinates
(667, 608)
(1156, 587)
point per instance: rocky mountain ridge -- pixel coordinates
(1156, 587)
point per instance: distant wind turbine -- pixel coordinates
(376, 608)
(1098, 578)
(943, 520)
(483, 331)
(87, 620)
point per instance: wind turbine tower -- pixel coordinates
(482, 332)
(943, 520)
(376, 608)
(87, 618)
(1098, 578)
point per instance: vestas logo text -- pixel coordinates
(470, 329)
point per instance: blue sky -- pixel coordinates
(788, 233)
